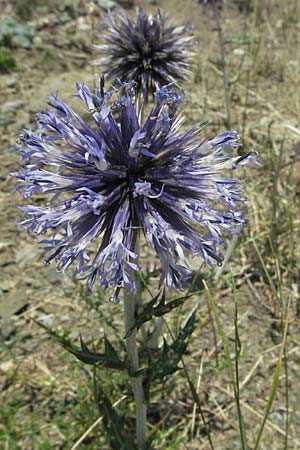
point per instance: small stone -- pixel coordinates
(82, 25)
(26, 253)
(53, 275)
(50, 20)
(238, 51)
(42, 22)
(7, 81)
(7, 327)
(106, 4)
(65, 318)
(6, 366)
(12, 105)
(12, 303)
(7, 285)
(74, 334)
(46, 320)
(4, 245)
(38, 41)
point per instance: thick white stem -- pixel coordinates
(133, 359)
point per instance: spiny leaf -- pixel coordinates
(108, 359)
(150, 310)
(110, 352)
(120, 438)
(170, 355)
(147, 313)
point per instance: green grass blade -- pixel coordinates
(266, 272)
(193, 392)
(238, 348)
(274, 383)
(229, 362)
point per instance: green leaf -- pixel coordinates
(170, 356)
(110, 352)
(157, 307)
(120, 438)
(146, 313)
(108, 359)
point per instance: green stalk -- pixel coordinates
(130, 299)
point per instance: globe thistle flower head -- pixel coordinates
(112, 179)
(148, 49)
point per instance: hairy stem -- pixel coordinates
(133, 359)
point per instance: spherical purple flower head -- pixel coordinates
(116, 178)
(147, 49)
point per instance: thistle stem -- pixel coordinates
(133, 359)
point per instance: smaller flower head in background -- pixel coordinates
(111, 180)
(148, 49)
